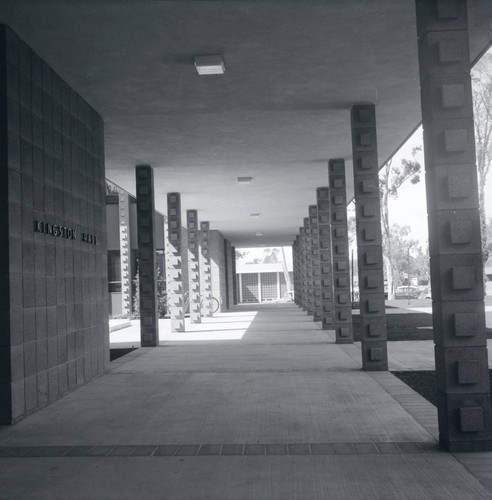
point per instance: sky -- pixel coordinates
(410, 207)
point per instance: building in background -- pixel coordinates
(264, 275)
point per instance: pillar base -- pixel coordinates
(379, 368)
(458, 446)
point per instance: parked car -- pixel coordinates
(407, 292)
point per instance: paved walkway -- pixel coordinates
(270, 408)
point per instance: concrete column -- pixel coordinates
(463, 389)
(234, 275)
(206, 270)
(342, 319)
(316, 275)
(295, 270)
(300, 269)
(194, 266)
(240, 288)
(326, 265)
(369, 239)
(175, 292)
(228, 274)
(149, 323)
(125, 264)
(308, 254)
(302, 266)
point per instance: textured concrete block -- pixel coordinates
(442, 52)
(468, 371)
(31, 392)
(453, 95)
(459, 277)
(42, 386)
(373, 305)
(459, 323)
(449, 51)
(17, 362)
(374, 355)
(370, 257)
(373, 328)
(471, 419)
(463, 277)
(454, 143)
(466, 324)
(455, 232)
(29, 324)
(461, 370)
(18, 399)
(456, 140)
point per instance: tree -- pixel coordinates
(408, 259)
(240, 254)
(391, 178)
(272, 255)
(482, 111)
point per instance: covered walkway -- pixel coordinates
(278, 410)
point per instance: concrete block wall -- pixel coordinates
(53, 278)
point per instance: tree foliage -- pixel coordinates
(271, 256)
(409, 261)
(482, 110)
(391, 178)
(240, 254)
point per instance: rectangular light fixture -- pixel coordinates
(259, 234)
(255, 214)
(209, 65)
(244, 180)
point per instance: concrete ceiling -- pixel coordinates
(280, 111)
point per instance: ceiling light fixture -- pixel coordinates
(209, 65)
(244, 180)
(255, 214)
(259, 234)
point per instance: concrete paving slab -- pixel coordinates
(279, 412)
(369, 477)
